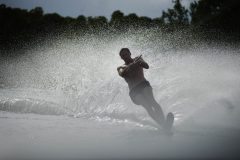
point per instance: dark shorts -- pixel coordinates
(138, 90)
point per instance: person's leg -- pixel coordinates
(143, 101)
(165, 122)
(158, 113)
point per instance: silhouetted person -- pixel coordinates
(140, 89)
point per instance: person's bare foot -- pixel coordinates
(169, 121)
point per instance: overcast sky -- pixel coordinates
(74, 8)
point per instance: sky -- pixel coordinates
(74, 8)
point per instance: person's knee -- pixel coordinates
(140, 100)
(150, 110)
(148, 90)
(149, 94)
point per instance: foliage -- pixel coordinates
(19, 25)
(178, 16)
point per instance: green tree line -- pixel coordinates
(202, 15)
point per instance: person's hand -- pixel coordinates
(138, 61)
(122, 68)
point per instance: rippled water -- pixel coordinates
(79, 78)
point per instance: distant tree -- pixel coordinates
(145, 22)
(36, 19)
(53, 22)
(13, 21)
(178, 16)
(97, 23)
(131, 21)
(218, 14)
(204, 11)
(53, 18)
(120, 22)
(117, 19)
(19, 25)
(69, 21)
(81, 22)
(193, 12)
(158, 22)
(101, 21)
(38, 11)
(2, 6)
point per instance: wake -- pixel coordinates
(79, 78)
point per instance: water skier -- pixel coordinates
(140, 89)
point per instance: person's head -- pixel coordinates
(125, 54)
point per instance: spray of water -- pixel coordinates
(78, 77)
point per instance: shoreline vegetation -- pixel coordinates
(215, 20)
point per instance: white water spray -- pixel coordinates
(78, 77)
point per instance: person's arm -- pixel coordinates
(142, 63)
(121, 70)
